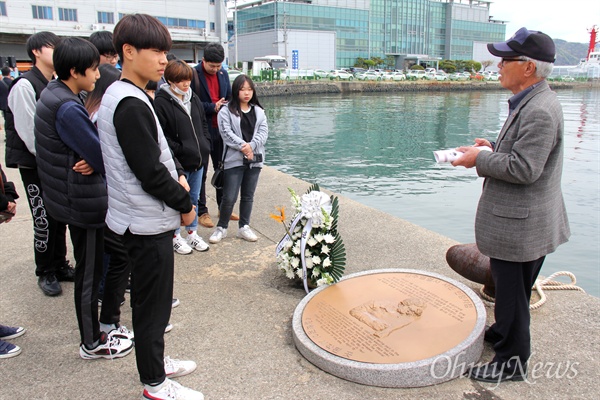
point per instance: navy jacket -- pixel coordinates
(200, 87)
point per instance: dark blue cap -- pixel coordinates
(532, 44)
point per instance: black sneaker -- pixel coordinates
(49, 285)
(66, 273)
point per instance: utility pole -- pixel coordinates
(285, 36)
(235, 28)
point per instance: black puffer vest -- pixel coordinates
(70, 197)
(17, 154)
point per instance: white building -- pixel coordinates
(192, 23)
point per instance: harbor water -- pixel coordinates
(378, 148)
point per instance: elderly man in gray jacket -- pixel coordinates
(521, 215)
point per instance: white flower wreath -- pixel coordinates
(312, 249)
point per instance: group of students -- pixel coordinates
(125, 171)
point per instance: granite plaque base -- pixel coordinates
(391, 328)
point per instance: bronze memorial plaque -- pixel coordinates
(389, 318)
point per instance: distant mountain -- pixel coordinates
(568, 53)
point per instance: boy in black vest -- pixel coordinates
(49, 242)
(64, 136)
(146, 203)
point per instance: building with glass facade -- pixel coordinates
(403, 29)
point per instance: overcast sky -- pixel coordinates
(568, 20)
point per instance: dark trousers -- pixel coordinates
(513, 281)
(49, 235)
(117, 276)
(242, 180)
(202, 207)
(88, 245)
(152, 266)
(216, 155)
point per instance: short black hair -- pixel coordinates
(39, 40)
(77, 53)
(103, 40)
(5, 71)
(214, 52)
(141, 31)
(152, 85)
(108, 76)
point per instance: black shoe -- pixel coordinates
(490, 336)
(49, 285)
(496, 372)
(66, 273)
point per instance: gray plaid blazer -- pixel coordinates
(521, 214)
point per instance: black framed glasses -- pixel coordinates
(507, 60)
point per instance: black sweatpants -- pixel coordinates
(88, 245)
(49, 235)
(152, 271)
(117, 276)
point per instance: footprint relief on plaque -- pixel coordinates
(386, 316)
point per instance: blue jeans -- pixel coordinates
(194, 179)
(236, 180)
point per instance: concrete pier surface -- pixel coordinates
(236, 311)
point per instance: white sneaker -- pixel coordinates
(109, 348)
(196, 242)
(246, 233)
(121, 332)
(217, 235)
(171, 390)
(175, 302)
(168, 328)
(175, 368)
(180, 245)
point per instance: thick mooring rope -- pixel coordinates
(544, 284)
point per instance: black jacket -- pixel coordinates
(188, 138)
(3, 95)
(70, 197)
(17, 154)
(9, 195)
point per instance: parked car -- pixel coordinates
(356, 70)
(321, 73)
(440, 76)
(338, 74)
(398, 76)
(490, 75)
(414, 74)
(233, 73)
(459, 76)
(296, 74)
(369, 76)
